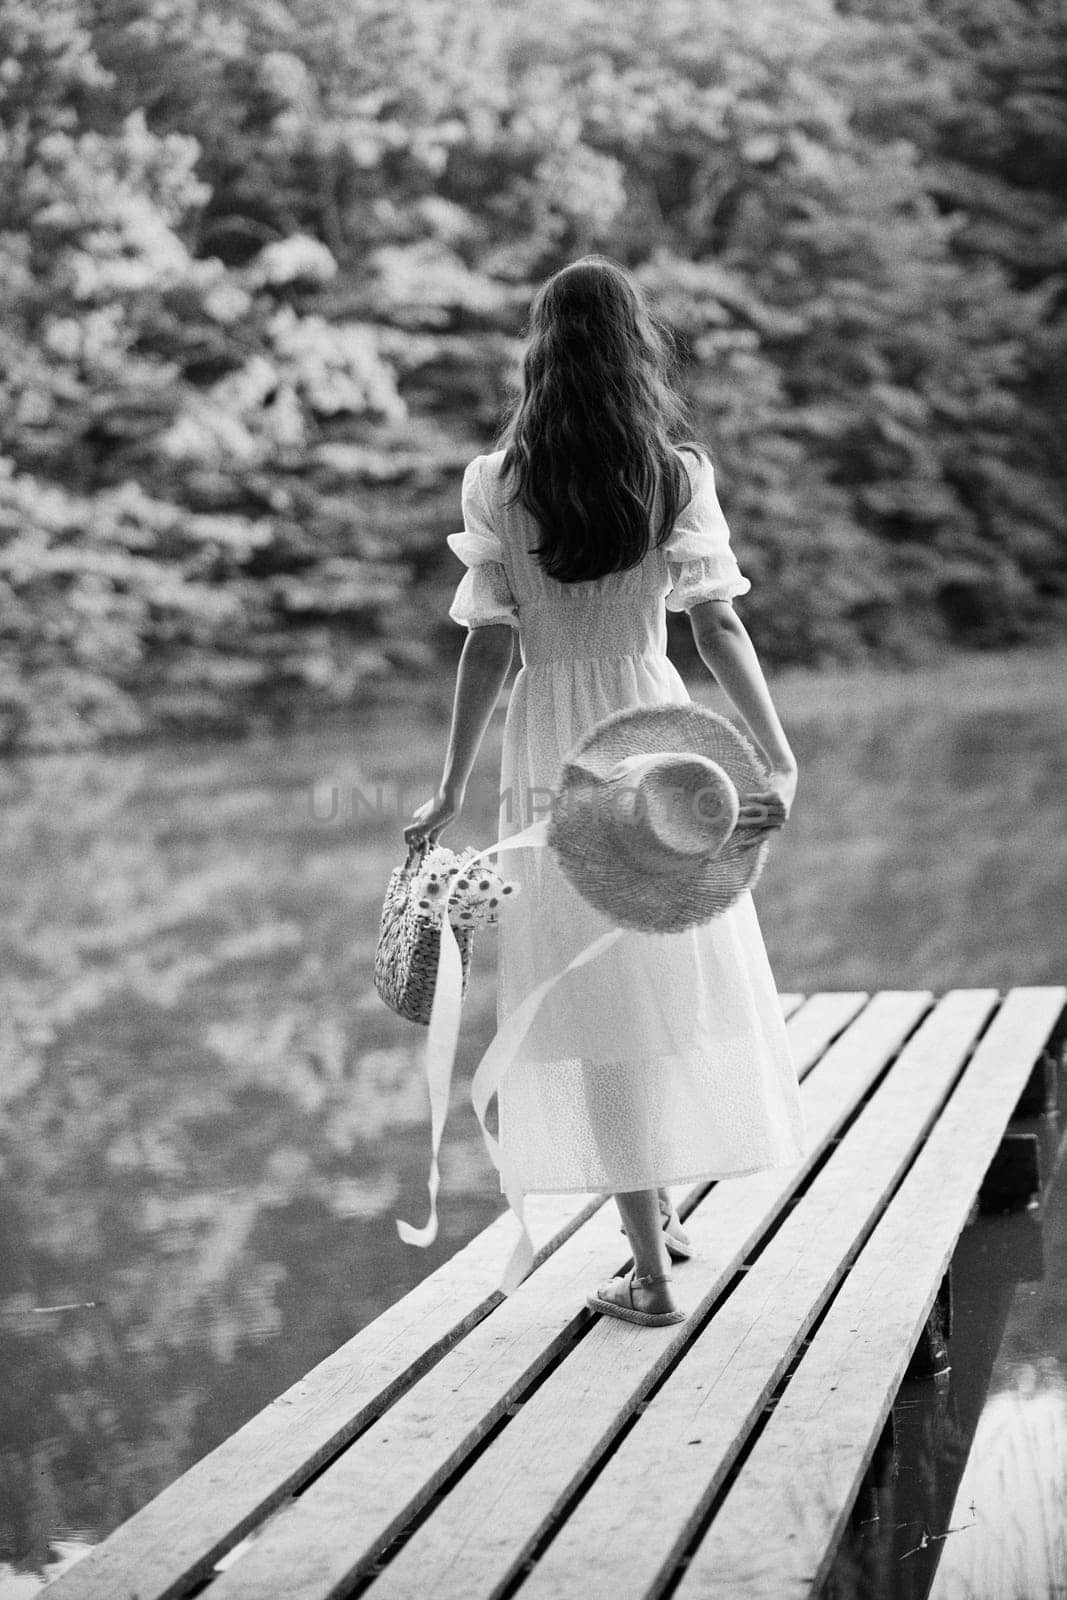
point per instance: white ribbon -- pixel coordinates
(440, 1055)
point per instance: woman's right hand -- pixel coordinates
(434, 815)
(769, 807)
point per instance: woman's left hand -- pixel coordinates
(770, 808)
(433, 816)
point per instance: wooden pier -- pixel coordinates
(466, 1446)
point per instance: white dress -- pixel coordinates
(665, 1059)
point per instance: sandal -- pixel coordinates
(630, 1313)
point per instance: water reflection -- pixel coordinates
(1012, 1497)
(1012, 1494)
(972, 1504)
(208, 1120)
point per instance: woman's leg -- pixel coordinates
(619, 1124)
(643, 1221)
(672, 1223)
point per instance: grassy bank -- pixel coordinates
(929, 841)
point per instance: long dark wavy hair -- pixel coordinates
(591, 442)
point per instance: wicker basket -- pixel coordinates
(409, 946)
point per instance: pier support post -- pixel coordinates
(1014, 1174)
(880, 1474)
(930, 1355)
(1040, 1094)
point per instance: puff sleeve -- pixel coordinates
(483, 593)
(700, 560)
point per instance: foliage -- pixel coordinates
(264, 269)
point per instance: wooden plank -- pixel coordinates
(626, 1530)
(774, 1536)
(648, 1500)
(178, 1536)
(819, 1021)
(333, 1532)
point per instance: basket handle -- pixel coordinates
(417, 847)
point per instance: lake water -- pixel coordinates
(210, 1121)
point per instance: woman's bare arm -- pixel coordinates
(727, 651)
(484, 664)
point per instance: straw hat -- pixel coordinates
(644, 815)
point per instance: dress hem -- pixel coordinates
(666, 1183)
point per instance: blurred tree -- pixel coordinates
(265, 272)
(156, 565)
(978, 90)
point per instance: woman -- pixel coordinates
(665, 1060)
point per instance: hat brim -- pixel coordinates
(592, 861)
